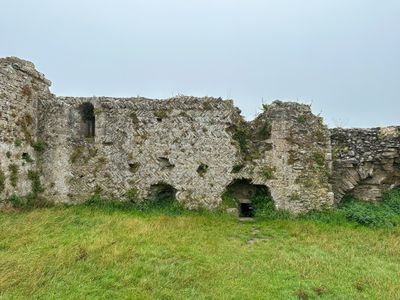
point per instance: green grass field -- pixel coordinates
(111, 252)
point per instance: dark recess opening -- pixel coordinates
(88, 120)
(162, 192)
(248, 197)
(246, 210)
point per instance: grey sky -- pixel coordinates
(341, 55)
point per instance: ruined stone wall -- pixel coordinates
(366, 162)
(290, 153)
(196, 146)
(21, 88)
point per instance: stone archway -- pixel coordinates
(243, 191)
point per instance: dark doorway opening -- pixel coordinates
(88, 120)
(246, 210)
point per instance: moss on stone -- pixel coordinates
(132, 194)
(2, 181)
(268, 172)
(242, 137)
(39, 145)
(36, 184)
(264, 131)
(319, 158)
(162, 113)
(17, 142)
(14, 170)
(76, 154)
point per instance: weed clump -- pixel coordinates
(38, 145)
(383, 214)
(268, 173)
(13, 169)
(370, 214)
(241, 136)
(319, 158)
(36, 184)
(17, 143)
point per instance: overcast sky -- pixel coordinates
(343, 56)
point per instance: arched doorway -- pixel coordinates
(248, 197)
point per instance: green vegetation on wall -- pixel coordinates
(2, 181)
(36, 184)
(38, 145)
(14, 169)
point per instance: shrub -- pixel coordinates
(264, 207)
(228, 200)
(369, 214)
(16, 201)
(392, 200)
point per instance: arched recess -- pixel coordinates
(88, 120)
(248, 196)
(162, 192)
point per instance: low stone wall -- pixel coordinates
(366, 161)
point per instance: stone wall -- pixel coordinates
(196, 147)
(366, 162)
(21, 89)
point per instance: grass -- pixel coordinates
(106, 250)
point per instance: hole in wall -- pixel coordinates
(246, 210)
(26, 157)
(88, 120)
(165, 163)
(133, 167)
(162, 192)
(159, 119)
(202, 169)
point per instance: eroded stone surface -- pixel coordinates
(366, 161)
